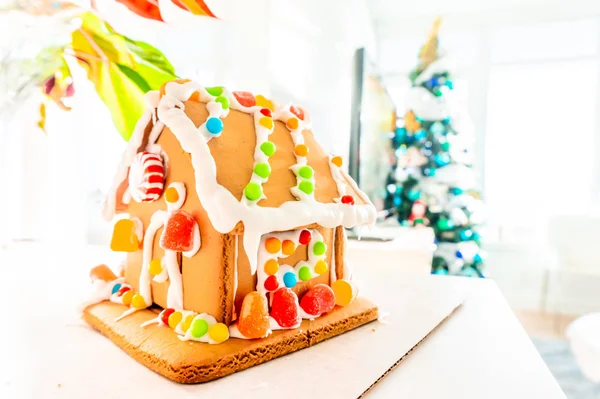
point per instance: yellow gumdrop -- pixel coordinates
(321, 267)
(262, 101)
(266, 122)
(127, 297)
(187, 322)
(138, 301)
(171, 195)
(174, 319)
(344, 292)
(124, 238)
(218, 332)
(155, 267)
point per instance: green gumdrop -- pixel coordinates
(305, 273)
(253, 191)
(224, 101)
(268, 148)
(262, 169)
(319, 248)
(305, 172)
(215, 91)
(306, 187)
(199, 328)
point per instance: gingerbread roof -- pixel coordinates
(242, 149)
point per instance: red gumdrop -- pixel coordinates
(266, 112)
(305, 237)
(348, 199)
(299, 112)
(271, 283)
(285, 308)
(164, 315)
(245, 98)
(178, 233)
(320, 299)
(123, 290)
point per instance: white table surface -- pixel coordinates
(481, 351)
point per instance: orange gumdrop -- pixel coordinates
(102, 272)
(254, 316)
(124, 237)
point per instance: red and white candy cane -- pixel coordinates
(146, 177)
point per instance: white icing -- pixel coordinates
(332, 272)
(156, 320)
(305, 315)
(206, 337)
(157, 221)
(223, 209)
(262, 136)
(338, 177)
(101, 291)
(175, 293)
(164, 274)
(275, 326)
(127, 313)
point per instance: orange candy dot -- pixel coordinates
(138, 301)
(271, 267)
(187, 322)
(273, 245)
(266, 122)
(344, 291)
(128, 297)
(321, 267)
(292, 123)
(288, 247)
(337, 161)
(171, 195)
(195, 96)
(301, 150)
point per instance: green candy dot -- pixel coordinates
(305, 273)
(319, 248)
(253, 191)
(199, 328)
(224, 101)
(262, 169)
(268, 148)
(445, 146)
(306, 187)
(305, 172)
(215, 91)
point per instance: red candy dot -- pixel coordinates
(266, 112)
(305, 237)
(245, 98)
(123, 290)
(164, 316)
(299, 112)
(348, 199)
(271, 283)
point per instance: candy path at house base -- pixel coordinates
(187, 362)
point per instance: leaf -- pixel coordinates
(121, 69)
(196, 7)
(149, 8)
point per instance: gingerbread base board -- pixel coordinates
(160, 349)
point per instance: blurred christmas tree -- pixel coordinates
(432, 182)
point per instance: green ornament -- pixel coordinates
(199, 328)
(262, 170)
(253, 191)
(319, 248)
(306, 187)
(224, 101)
(215, 91)
(445, 224)
(306, 172)
(438, 93)
(445, 146)
(268, 148)
(305, 273)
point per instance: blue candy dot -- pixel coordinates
(289, 279)
(459, 254)
(214, 125)
(477, 258)
(116, 288)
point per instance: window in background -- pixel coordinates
(539, 142)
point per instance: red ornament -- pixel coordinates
(320, 299)
(123, 290)
(305, 237)
(285, 308)
(245, 98)
(271, 283)
(299, 112)
(164, 315)
(178, 233)
(348, 199)
(266, 112)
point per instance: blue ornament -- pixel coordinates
(397, 201)
(446, 121)
(214, 125)
(409, 139)
(404, 223)
(420, 134)
(457, 191)
(435, 241)
(476, 236)
(477, 258)
(437, 128)
(449, 84)
(429, 172)
(399, 189)
(442, 159)
(289, 279)
(466, 234)
(469, 272)
(440, 272)
(413, 195)
(459, 254)
(434, 81)
(400, 131)
(116, 288)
